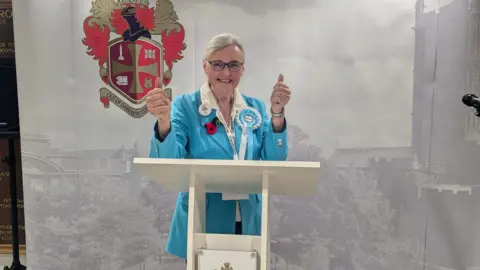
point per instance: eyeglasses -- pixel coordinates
(218, 65)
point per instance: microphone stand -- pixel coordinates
(11, 160)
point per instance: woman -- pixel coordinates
(218, 122)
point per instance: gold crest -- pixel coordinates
(134, 45)
(227, 266)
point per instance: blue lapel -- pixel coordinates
(220, 137)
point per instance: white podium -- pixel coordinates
(230, 252)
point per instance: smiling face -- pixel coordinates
(224, 69)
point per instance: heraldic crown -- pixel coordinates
(121, 36)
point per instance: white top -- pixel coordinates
(239, 217)
(234, 176)
(208, 97)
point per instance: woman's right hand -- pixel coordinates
(159, 105)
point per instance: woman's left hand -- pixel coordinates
(280, 95)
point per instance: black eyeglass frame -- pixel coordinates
(224, 64)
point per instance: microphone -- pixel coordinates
(471, 100)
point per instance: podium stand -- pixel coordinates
(230, 252)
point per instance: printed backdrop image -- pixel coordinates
(376, 98)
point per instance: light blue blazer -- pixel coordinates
(188, 139)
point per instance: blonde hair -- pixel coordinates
(221, 41)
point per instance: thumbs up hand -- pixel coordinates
(280, 95)
(159, 105)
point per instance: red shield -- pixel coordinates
(134, 67)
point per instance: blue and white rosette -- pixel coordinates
(248, 119)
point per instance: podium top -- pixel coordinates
(234, 176)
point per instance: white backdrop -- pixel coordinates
(354, 68)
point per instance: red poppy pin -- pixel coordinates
(211, 127)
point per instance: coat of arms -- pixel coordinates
(134, 45)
